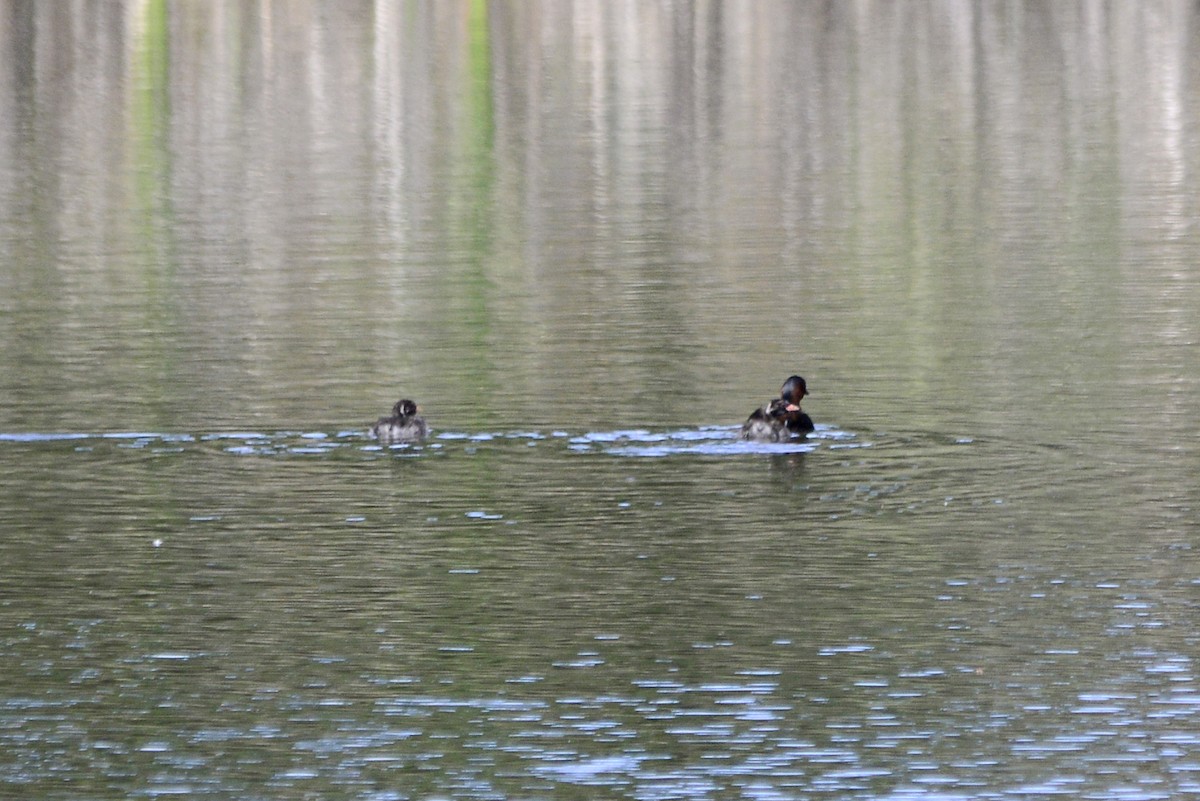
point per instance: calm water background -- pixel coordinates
(590, 237)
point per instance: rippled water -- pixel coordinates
(663, 614)
(589, 238)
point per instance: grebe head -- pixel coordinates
(405, 408)
(793, 389)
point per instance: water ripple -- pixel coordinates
(705, 440)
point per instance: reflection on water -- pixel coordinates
(590, 237)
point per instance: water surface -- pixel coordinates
(589, 238)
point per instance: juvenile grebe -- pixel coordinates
(766, 424)
(402, 426)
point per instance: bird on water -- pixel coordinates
(403, 426)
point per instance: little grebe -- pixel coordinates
(795, 420)
(402, 426)
(767, 423)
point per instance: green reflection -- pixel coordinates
(152, 253)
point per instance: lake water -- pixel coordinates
(589, 238)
